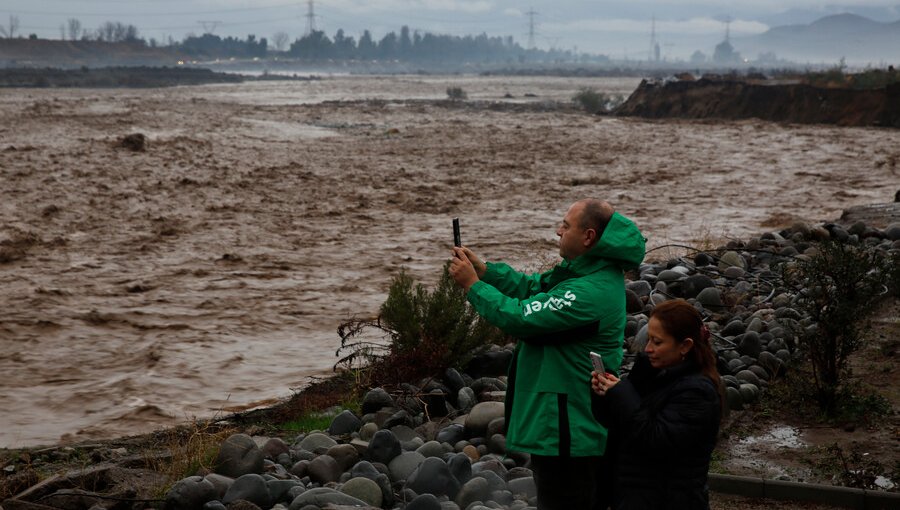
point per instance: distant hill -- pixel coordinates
(855, 38)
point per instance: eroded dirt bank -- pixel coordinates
(210, 271)
(796, 103)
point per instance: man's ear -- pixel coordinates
(590, 236)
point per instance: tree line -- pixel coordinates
(407, 45)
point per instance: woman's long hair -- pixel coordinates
(681, 320)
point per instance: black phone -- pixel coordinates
(457, 240)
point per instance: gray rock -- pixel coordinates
(497, 444)
(502, 498)
(403, 465)
(466, 399)
(280, 490)
(771, 363)
(731, 259)
(756, 325)
(710, 298)
(748, 377)
(640, 340)
(523, 486)
(383, 447)
(324, 469)
(733, 397)
(454, 380)
(452, 434)
(322, 496)
(784, 355)
(221, 482)
(733, 328)
(495, 482)
(693, 284)
(317, 441)
(788, 313)
(489, 464)
(375, 399)
(481, 416)
(749, 393)
(424, 502)
(760, 372)
(239, 455)
(433, 476)
(633, 303)
(209, 505)
(242, 504)
(669, 275)
(367, 431)
(275, 447)
(345, 455)
(496, 426)
(252, 488)
(300, 468)
(190, 493)
(431, 449)
(476, 489)
(736, 365)
(892, 231)
(733, 272)
(750, 344)
(363, 489)
(399, 418)
(344, 423)
(640, 287)
(365, 469)
(460, 467)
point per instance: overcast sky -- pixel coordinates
(619, 29)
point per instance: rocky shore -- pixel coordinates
(438, 444)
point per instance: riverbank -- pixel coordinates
(391, 428)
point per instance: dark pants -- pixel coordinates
(570, 483)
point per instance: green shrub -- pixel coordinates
(838, 287)
(456, 93)
(592, 101)
(428, 331)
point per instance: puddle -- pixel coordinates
(761, 455)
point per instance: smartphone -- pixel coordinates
(597, 361)
(457, 239)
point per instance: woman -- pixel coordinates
(664, 416)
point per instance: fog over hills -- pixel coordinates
(859, 40)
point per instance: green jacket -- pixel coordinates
(559, 317)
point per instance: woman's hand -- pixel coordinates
(601, 383)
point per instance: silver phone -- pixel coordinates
(597, 361)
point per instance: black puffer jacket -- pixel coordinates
(663, 426)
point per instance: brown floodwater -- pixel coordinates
(209, 273)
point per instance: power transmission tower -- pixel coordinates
(654, 46)
(310, 18)
(531, 14)
(209, 26)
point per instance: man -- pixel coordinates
(559, 316)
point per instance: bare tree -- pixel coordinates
(74, 25)
(280, 39)
(10, 31)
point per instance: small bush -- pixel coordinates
(429, 332)
(592, 101)
(456, 93)
(837, 288)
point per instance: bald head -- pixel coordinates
(595, 214)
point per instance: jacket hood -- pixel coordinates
(621, 244)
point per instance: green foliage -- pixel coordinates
(595, 102)
(456, 93)
(838, 287)
(428, 331)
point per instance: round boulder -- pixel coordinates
(190, 493)
(239, 455)
(363, 489)
(433, 476)
(481, 415)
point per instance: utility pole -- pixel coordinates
(209, 26)
(531, 14)
(310, 18)
(654, 46)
